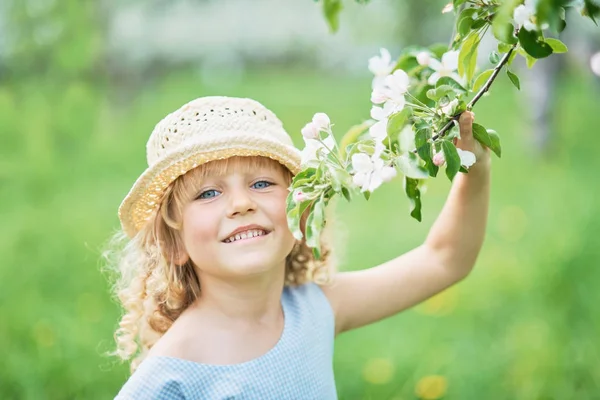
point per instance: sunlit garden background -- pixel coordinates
(82, 84)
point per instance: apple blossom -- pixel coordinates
(370, 172)
(309, 153)
(466, 158)
(424, 58)
(378, 130)
(448, 109)
(446, 67)
(310, 131)
(321, 121)
(381, 67)
(524, 16)
(393, 89)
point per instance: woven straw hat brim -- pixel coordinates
(140, 205)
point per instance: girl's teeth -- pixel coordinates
(246, 235)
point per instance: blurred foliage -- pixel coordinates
(522, 326)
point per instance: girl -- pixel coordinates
(221, 301)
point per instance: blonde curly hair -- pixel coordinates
(154, 290)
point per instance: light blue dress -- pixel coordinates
(300, 366)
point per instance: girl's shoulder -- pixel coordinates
(156, 378)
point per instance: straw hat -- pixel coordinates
(203, 130)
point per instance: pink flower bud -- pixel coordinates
(299, 196)
(310, 131)
(439, 159)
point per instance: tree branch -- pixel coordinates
(478, 96)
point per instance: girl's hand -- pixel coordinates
(467, 141)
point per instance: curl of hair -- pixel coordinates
(154, 289)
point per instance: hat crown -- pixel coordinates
(212, 117)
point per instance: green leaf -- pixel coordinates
(504, 32)
(534, 44)
(591, 10)
(495, 141)
(503, 47)
(457, 3)
(367, 195)
(351, 136)
(481, 135)
(513, 78)
(425, 154)
(346, 193)
(440, 92)
(482, 79)
(464, 21)
(448, 81)
(467, 57)
(331, 9)
(452, 159)
(421, 136)
(397, 121)
(411, 187)
(494, 57)
(438, 49)
(557, 45)
(409, 165)
(314, 226)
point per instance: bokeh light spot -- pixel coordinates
(431, 387)
(378, 371)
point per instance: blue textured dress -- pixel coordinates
(300, 366)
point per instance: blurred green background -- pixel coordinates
(75, 114)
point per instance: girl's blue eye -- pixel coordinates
(261, 184)
(208, 194)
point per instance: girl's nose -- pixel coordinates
(240, 203)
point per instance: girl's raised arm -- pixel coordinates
(447, 255)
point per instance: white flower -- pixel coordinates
(466, 158)
(378, 131)
(446, 67)
(321, 120)
(309, 153)
(381, 66)
(319, 123)
(595, 63)
(392, 89)
(310, 131)
(370, 172)
(423, 58)
(448, 109)
(524, 16)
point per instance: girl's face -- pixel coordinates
(247, 194)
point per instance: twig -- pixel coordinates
(479, 94)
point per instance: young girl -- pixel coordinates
(221, 301)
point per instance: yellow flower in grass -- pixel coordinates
(378, 371)
(431, 387)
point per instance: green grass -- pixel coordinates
(523, 325)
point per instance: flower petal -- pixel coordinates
(362, 163)
(378, 131)
(466, 158)
(450, 60)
